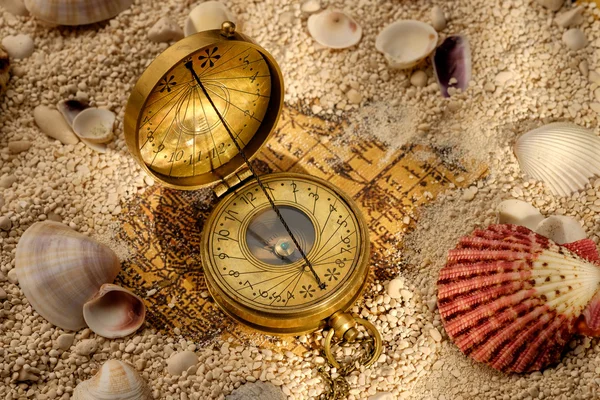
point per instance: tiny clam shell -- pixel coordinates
(76, 12)
(562, 155)
(405, 43)
(206, 16)
(94, 125)
(60, 269)
(115, 380)
(114, 312)
(452, 64)
(512, 298)
(180, 362)
(334, 29)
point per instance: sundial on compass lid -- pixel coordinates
(283, 253)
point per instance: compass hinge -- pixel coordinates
(232, 181)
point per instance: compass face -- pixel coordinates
(252, 259)
(188, 97)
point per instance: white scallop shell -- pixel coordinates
(561, 229)
(334, 29)
(94, 125)
(562, 155)
(76, 12)
(206, 16)
(60, 269)
(405, 43)
(115, 380)
(114, 312)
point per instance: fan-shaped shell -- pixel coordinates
(76, 12)
(405, 43)
(562, 155)
(59, 270)
(335, 29)
(115, 380)
(114, 312)
(511, 298)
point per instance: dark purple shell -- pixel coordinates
(452, 59)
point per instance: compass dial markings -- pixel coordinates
(246, 112)
(209, 128)
(235, 77)
(323, 262)
(163, 141)
(187, 107)
(234, 67)
(322, 257)
(332, 235)
(222, 63)
(162, 120)
(166, 98)
(269, 289)
(331, 210)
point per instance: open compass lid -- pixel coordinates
(175, 116)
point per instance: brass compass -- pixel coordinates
(283, 253)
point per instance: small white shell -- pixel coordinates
(334, 29)
(115, 380)
(94, 125)
(182, 361)
(76, 12)
(561, 229)
(310, 6)
(405, 43)
(206, 16)
(114, 312)
(562, 155)
(60, 269)
(519, 212)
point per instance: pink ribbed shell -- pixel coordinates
(511, 298)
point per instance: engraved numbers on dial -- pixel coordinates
(282, 280)
(180, 134)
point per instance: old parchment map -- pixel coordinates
(163, 226)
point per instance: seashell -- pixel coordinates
(405, 43)
(570, 18)
(18, 46)
(561, 229)
(334, 29)
(562, 155)
(438, 19)
(575, 39)
(452, 64)
(512, 298)
(257, 390)
(70, 109)
(4, 69)
(95, 125)
(206, 16)
(114, 312)
(60, 269)
(76, 12)
(180, 362)
(165, 30)
(115, 380)
(53, 124)
(310, 6)
(15, 7)
(519, 212)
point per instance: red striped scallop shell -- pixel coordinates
(512, 299)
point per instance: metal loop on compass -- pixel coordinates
(376, 347)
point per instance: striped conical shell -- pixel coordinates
(562, 155)
(60, 269)
(511, 298)
(115, 380)
(76, 12)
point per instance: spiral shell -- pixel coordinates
(60, 269)
(115, 380)
(512, 298)
(76, 12)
